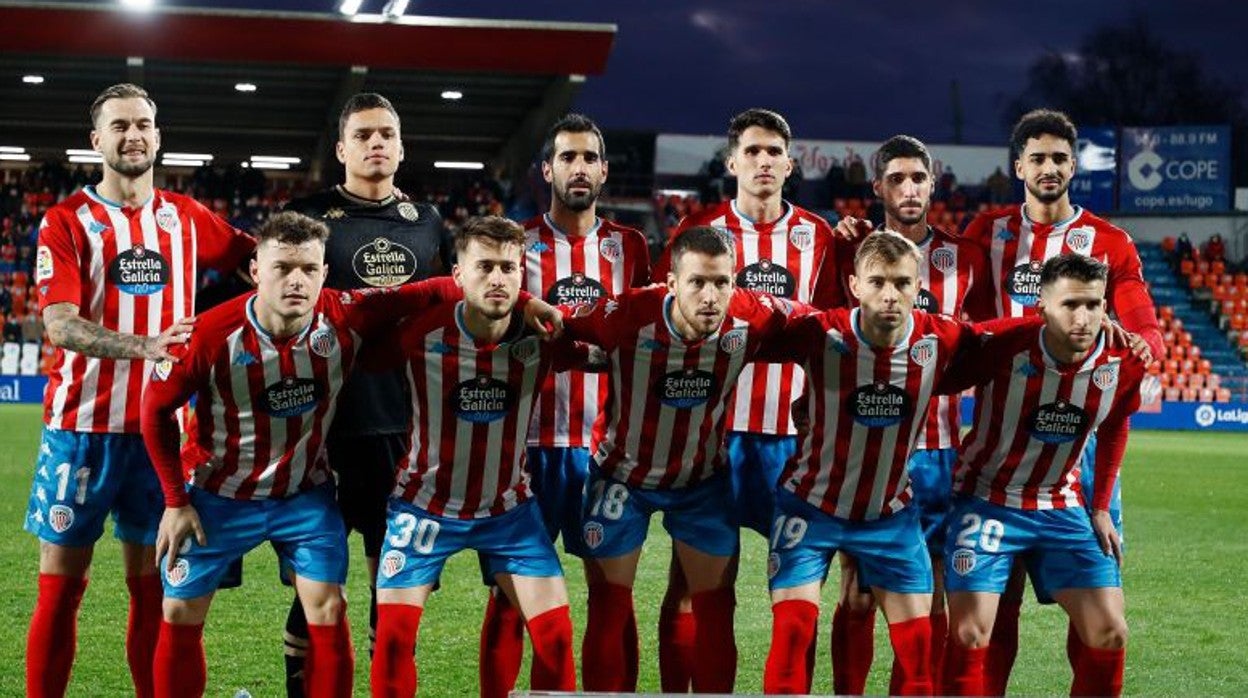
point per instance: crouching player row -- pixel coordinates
(1048, 384)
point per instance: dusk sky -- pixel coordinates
(837, 70)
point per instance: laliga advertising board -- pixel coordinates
(1177, 169)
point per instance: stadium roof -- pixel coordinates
(515, 77)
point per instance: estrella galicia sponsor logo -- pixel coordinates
(290, 397)
(60, 517)
(1023, 283)
(1057, 422)
(733, 341)
(577, 289)
(926, 301)
(879, 405)
(765, 276)
(393, 563)
(482, 399)
(593, 534)
(1105, 376)
(1079, 240)
(943, 259)
(384, 262)
(963, 561)
(139, 271)
(180, 573)
(686, 388)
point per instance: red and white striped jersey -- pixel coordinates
(783, 258)
(264, 404)
(1017, 248)
(955, 282)
(130, 270)
(666, 401)
(574, 270)
(1034, 415)
(471, 405)
(865, 406)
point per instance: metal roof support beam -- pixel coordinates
(522, 146)
(351, 83)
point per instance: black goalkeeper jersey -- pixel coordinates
(375, 244)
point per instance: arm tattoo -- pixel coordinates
(69, 330)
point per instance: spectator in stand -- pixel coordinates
(1183, 247)
(1215, 248)
(793, 184)
(856, 177)
(12, 330)
(836, 180)
(6, 297)
(32, 328)
(998, 185)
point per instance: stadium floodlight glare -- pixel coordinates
(86, 159)
(267, 165)
(84, 153)
(245, 86)
(452, 94)
(20, 157)
(350, 7)
(181, 162)
(458, 165)
(394, 9)
(142, 5)
(11, 149)
(279, 159)
(32, 79)
(188, 156)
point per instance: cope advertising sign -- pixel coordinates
(1176, 169)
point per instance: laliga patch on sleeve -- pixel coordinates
(43, 264)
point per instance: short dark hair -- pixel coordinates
(363, 101)
(1042, 122)
(496, 228)
(704, 239)
(572, 123)
(1073, 266)
(123, 90)
(762, 118)
(291, 228)
(886, 247)
(899, 146)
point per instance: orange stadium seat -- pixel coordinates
(1172, 394)
(1178, 380)
(1241, 281)
(1202, 266)
(1217, 266)
(1187, 267)
(1171, 366)
(1205, 395)
(1168, 243)
(1193, 352)
(1175, 351)
(1214, 381)
(1164, 378)
(1222, 395)
(1196, 381)
(1188, 395)
(1204, 366)
(1166, 313)
(1187, 366)
(1184, 338)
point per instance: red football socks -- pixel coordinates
(502, 647)
(940, 635)
(715, 655)
(604, 658)
(179, 669)
(792, 632)
(1002, 648)
(677, 636)
(143, 630)
(963, 669)
(394, 665)
(330, 671)
(1098, 672)
(53, 635)
(912, 648)
(853, 648)
(553, 667)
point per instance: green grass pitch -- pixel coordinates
(1187, 564)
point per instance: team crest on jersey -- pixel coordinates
(1057, 422)
(409, 211)
(944, 259)
(592, 533)
(179, 574)
(766, 276)
(773, 565)
(167, 219)
(525, 350)
(577, 289)
(686, 388)
(879, 405)
(1023, 283)
(923, 351)
(139, 271)
(290, 397)
(1105, 376)
(60, 517)
(96, 228)
(323, 342)
(802, 236)
(43, 264)
(383, 263)
(733, 341)
(161, 370)
(963, 561)
(1079, 240)
(611, 249)
(482, 399)
(393, 563)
